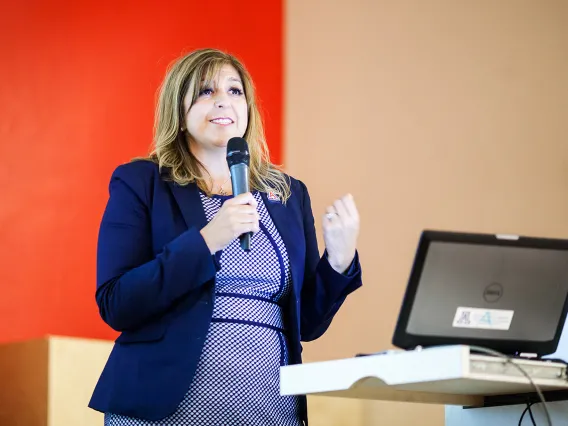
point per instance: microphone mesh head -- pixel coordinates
(237, 151)
(237, 144)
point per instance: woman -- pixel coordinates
(205, 326)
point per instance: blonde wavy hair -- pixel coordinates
(189, 74)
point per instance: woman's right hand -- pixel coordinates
(237, 216)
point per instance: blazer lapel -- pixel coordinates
(291, 233)
(189, 204)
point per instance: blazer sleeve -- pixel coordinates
(133, 284)
(324, 290)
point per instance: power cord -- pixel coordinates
(509, 360)
(531, 414)
(525, 411)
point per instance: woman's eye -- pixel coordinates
(236, 91)
(205, 91)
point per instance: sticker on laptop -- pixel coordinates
(487, 319)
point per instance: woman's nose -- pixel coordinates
(221, 100)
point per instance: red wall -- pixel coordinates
(77, 94)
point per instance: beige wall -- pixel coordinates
(434, 114)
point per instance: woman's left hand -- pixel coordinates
(340, 232)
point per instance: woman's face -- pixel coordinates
(219, 113)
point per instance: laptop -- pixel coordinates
(503, 292)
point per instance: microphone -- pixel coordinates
(238, 159)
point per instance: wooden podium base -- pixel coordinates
(49, 381)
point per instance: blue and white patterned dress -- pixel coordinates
(237, 381)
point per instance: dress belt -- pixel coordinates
(248, 309)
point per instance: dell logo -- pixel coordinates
(493, 292)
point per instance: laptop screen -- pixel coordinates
(470, 292)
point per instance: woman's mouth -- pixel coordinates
(223, 121)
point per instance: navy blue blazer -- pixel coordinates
(155, 284)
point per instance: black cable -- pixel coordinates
(531, 414)
(524, 412)
(509, 360)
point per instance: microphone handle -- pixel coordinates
(240, 182)
(245, 241)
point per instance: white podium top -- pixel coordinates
(442, 375)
